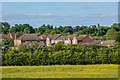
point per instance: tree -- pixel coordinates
(53, 32)
(115, 26)
(111, 34)
(5, 27)
(68, 30)
(118, 37)
(8, 42)
(27, 30)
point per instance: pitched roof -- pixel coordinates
(62, 37)
(96, 38)
(108, 42)
(71, 37)
(12, 34)
(80, 37)
(54, 37)
(30, 37)
(43, 37)
(4, 36)
(50, 36)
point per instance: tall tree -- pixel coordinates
(6, 27)
(111, 34)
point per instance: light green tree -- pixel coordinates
(111, 34)
(27, 30)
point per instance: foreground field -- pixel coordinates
(61, 71)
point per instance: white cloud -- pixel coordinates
(46, 14)
(56, 20)
(109, 15)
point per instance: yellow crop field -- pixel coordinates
(61, 71)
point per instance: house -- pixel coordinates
(54, 41)
(48, 40)
(70, 38)
(84, 39)
(13, 35)
(29, 39)
(63, 38)
(4, 36)
(97, 40)
(51, 39)
(108, 42)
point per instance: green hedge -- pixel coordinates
(61, 54)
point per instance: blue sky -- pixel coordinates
(60, 13)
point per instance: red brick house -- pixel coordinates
(51, 39)
(84, 39)
(97, 40)
(29, 39)
(62, 38)
(48, 40)
(13, 35)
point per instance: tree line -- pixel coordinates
(107, 32)
(61, 54)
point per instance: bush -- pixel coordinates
(61, 54)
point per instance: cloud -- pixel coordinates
(46, 14)
(101, 15)
(38, 19)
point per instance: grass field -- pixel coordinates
(61, 71)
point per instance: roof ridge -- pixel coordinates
(23, 36)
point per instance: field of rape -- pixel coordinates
(61, 71)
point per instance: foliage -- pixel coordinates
(118, 37)
(8, 41)
(111, 34)
(93, 30)
(4, 27)
(61, 54)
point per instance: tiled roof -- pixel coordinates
(62, 37)
(30, 37)
(43, 37)
(96, 38)
(4, 36)
(12, 34)
(50, 36)
(108, 42)
(54, 37)
(71, 37)
(80, 37)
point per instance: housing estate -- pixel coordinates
(49, 40)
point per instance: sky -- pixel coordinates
(60, 13)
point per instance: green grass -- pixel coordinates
(61, 71)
